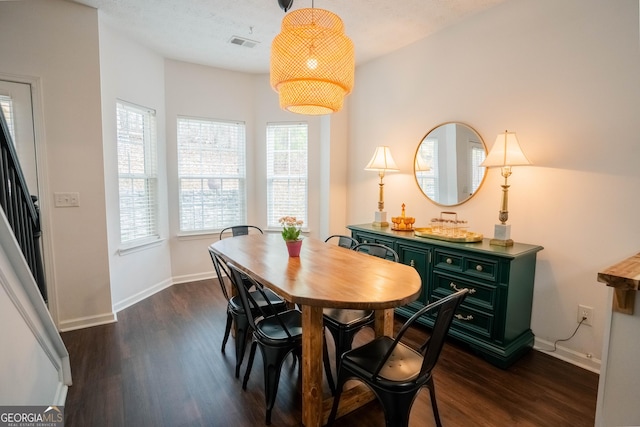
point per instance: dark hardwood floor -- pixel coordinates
(161, 365)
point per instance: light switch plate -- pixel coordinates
(67, 200)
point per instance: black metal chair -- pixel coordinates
(343, 241)
(240, 230)
(396, 372)
(379, 250)
(276, 333)
(235, 312)
(344, 324)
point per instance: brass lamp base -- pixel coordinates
(380, 224)
(499, 242)
(380, 219)
(501, 235)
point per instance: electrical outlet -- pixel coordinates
(586, 313)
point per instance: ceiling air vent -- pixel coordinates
(241, 41)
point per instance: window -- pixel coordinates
(6, 104)
(136, 134)
(286, 171)
(428, 152)
(211, 174)
(477, 157)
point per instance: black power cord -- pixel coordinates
(555, 343)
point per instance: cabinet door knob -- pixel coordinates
(449, 261)
(455, 288)
(478, 267)
(464, 318)
(412, 263)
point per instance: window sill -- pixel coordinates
(197, 235)
(140, 246)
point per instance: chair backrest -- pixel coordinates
(343, 241)
(221, 271)
(379, 250)
(432, 348)
(240, 230)
(253, 310)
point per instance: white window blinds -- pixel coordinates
(428, 151)
(477, 157)
(6, 104)
(211, 174)
(287, 182)
(137, 172)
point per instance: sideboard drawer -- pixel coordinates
(471, 321)
(484, 268)
(475, 322)
(482, 295)
(448, 260)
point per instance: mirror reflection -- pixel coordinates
(447, 163)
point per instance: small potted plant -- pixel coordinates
(291, 228)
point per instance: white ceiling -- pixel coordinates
(199, 31)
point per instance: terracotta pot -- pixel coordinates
(294, 246)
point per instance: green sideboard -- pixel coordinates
(495, 318)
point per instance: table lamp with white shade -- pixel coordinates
(505, 153)
(381, 162)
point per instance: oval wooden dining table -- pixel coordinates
(324, 275)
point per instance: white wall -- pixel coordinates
(56, 43)
(564, 77)
(333, 171)
(133, 74)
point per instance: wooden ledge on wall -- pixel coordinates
(624, 277)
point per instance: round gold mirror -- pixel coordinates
(447, 163)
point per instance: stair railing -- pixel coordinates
(19, 207)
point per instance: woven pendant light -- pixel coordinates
(312, 62)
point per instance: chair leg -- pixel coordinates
(227, 330)
(252, 355)
(336, 399)
(273, 359)
(434, 405)
(343, 341)
(327, 365)
(242, 328)
(397, 407)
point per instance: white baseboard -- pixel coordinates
(193, 277)
(146, 293)
(86, 322)
(579, 359)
